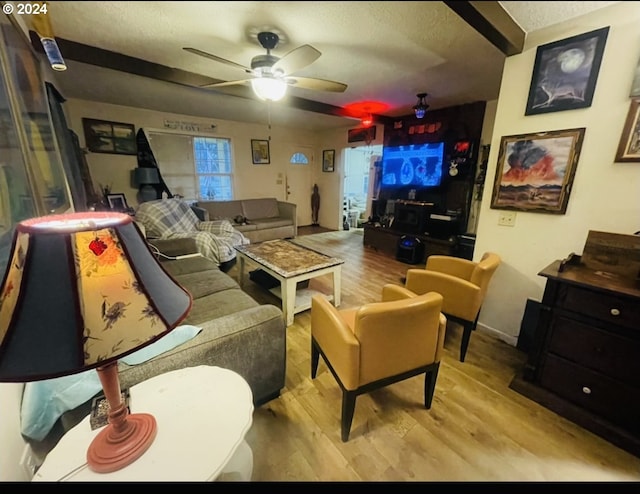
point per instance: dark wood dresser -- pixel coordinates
(584, 361)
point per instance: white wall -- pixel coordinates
(250, 180)
(605, 194)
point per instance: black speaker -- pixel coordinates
(528, 325)
(410, 250)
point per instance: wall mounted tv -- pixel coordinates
(413, 166)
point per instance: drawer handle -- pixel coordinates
(586, 390)
(615, 312)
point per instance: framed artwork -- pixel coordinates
(260, 152)
(565, 73)
(103, 136)
(117, 202)
(535, 171)
(328, 160)
(629, 146)
(366, 134)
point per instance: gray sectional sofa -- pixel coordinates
(266, 218)
(237, 332)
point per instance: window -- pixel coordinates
(299, 159)
(214, 167)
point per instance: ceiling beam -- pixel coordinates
(92, 55)
(493, 22)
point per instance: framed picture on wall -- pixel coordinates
(629, 146)
(328, 160)
(535, 171)
(260, 152)
(103, 136)
(565, 73)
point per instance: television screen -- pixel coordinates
(413, 165)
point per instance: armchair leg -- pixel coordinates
(315, 357)
(348, 408)
(430, 378)
(466, 336)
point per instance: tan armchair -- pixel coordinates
(463, 285)
(378, 344)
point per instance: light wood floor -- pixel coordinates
(478, 429)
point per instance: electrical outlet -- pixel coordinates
(28, 462)
(507, 218)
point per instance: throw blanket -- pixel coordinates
(174, 218)
(43, 402)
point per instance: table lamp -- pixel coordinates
(82, 290)
(146, 179)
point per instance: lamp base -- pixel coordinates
(127, 436)
(111, 450)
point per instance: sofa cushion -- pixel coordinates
(262, 223)
(261, 208)
(247, 227)
(189, 265)
(223, 209)
(203, 284)
(217, 305)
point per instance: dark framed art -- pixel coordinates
(535, 171)
(366, 134)
(629, 146)
(117, 202)
(328, 160)
(565, 73)
(103, 136)
(260, 152)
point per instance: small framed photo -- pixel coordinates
(260, 152)
(117, 202)
(535, 171)
(565, 73)
(629, 147)
(328, 160)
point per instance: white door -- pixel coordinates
(298, 182)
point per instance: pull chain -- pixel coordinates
(269, 117)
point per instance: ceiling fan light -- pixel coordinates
(269, 88)
(420, 108)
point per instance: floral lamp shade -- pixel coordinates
(81, 290)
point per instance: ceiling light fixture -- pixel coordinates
(269, 88)
(367, 120)
(420, 108)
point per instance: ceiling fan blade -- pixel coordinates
(195, 51)
(316, 84)
(226, 83)
(296, 59)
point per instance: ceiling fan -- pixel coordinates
(270, 74)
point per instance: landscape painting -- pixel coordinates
(535, 171)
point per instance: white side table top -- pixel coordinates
(202, 414)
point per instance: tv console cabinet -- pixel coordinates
(386, 240)
(584, 363)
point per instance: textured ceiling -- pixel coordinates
(385, 52)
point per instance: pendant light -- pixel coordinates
(420, 108)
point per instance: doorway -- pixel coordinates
(358, 184)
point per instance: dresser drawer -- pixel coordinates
(596, 349)
(612, 309)
(617, 402)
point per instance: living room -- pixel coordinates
(603, 196)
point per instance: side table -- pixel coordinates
(202, 414)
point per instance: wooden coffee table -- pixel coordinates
(290, 263)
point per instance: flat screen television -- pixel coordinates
(412, 166)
